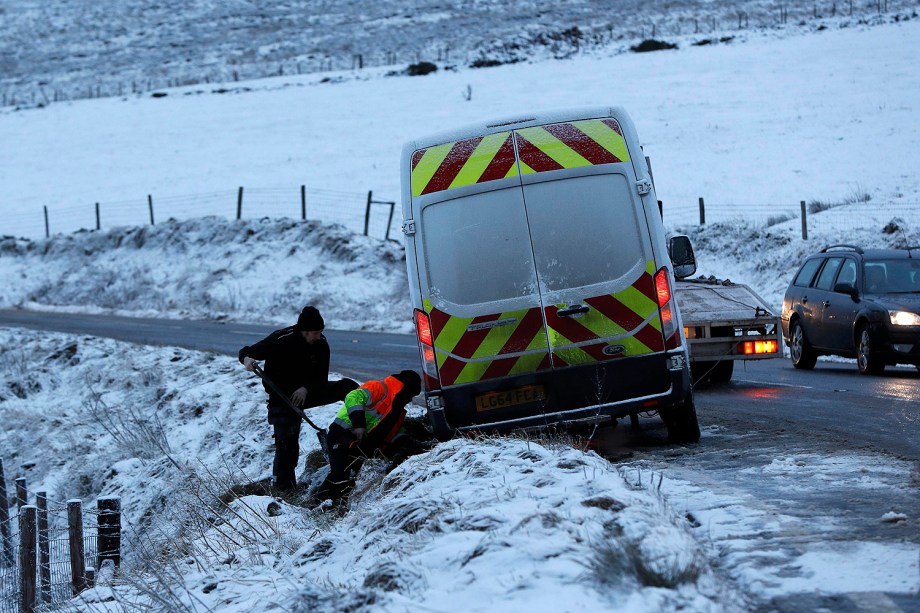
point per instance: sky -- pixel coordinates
(503, 524)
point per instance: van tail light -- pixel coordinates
(669, 329)
(426, 350)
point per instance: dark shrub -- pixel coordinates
(485, 63)
(651, 44)
(420, 69)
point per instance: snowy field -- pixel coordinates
(495, 525)
(753, 127)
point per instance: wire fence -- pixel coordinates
(54, 578)
(51, 550)
(358, 211)
(797, 219)
(363, 213)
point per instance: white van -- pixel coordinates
(540, 277)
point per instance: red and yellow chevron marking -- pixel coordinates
(570, 145)
(628, 318)
(488, 346)
(503, 344)
(465, 162)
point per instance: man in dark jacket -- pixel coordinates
(297, 362)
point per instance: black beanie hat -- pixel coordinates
(310, 319)
(412, 383)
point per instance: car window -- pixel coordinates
(827, 274)
(847, 272)
(803, 279)
(893, 276)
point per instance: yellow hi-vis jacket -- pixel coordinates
(375, 398)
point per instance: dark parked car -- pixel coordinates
(856, 303)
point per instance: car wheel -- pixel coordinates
(803, 356)
(866, 360)
(683, 425)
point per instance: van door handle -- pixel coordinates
(577, 309)
(826, 303)
(804, 299)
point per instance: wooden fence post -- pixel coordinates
(804, 222)
(5, 521)
(22, 493)
(75, 538)
(47, 228)
(27, 559)
(98, 219)
(702, 211)
(150, 206)
(303, 202)
(90, 578)
(389, 221)
(44, 547)
(109, 518)
(239, 204)
(367, 212)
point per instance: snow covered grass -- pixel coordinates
(212, 268)
(480, 524)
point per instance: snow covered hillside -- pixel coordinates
(753, 127)
(211, 268)
(66, 49)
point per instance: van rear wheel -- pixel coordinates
(439, 426)
(683, 425)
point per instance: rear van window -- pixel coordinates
(585, 230)
(470, 236)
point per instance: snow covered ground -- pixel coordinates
(494, 525)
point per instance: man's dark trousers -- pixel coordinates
(287, 425)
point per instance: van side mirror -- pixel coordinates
(846, 288)
(680, 250)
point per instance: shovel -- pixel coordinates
(320, 432)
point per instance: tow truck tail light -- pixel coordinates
(758, 347)
(426, 350)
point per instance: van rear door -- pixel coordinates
(592, 251)
(479, 283)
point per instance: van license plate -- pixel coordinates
(507, 398)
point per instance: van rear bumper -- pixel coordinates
(587, 394)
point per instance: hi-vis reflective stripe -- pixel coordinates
(617, 325)
(488, 158)
(489, 346)
(465, 162)
(570, 145)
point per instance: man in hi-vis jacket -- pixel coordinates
(370, 422)
(297, 362)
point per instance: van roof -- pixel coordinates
(522, 120)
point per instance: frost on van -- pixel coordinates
(437, 299)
